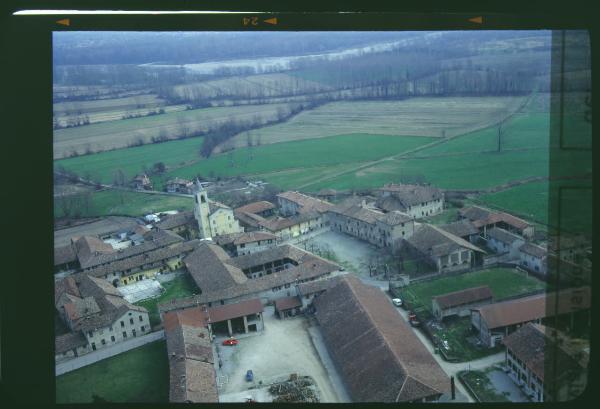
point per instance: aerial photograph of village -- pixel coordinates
(321, 217)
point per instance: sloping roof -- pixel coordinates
(286, 303)
(306, 203)
(249, 219)
(410, 195)
(96, 227)
(213, 206)
(207, 266)
(64, 254)
(279, 223)
(504, 236)
(377, 353)
(243, 238)
(316, 286)
(537, 346)
(461, 228)
(176, 220)
(466, 296)
(68, 341)
(533, 250)
(231, 311)
(256, 207)
(429, 239)
(481, 217)
(353, 209)
(533, 307)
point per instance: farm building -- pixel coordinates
(569, 247)
(267, 275)
(287, 306)
(141, 182)
(414, 200)
(213, 218)
(291, 203)
(284, 228)
(311, 289)
(445, 251)
(239, 244)
(463, 229)
(485, 220)
(94, 309)
(192, 377)
(180, 185)
(182, 223)
(546, 363)
(381, 229)
(262, 208)
(461, 302)
(102, 228)
(327, 194)
(504, 242)
(495, 321)
(533, 257)
(242, 317)
(377, 354)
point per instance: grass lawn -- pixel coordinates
(138, 375)
(448, 215)
(481, 386)
(182, 286)
(512, 200)
(125, 203)
(504, 282)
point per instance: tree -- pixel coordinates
(119, 178)
(158, 168)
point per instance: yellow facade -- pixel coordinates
(223, 222)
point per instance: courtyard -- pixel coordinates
(283, 348)
(492, 384)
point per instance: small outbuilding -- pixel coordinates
(287, 307)
(460, 302)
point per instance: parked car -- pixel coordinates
(397, 302)
(249, 375)
(231, 342)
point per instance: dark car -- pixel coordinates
(249, 375)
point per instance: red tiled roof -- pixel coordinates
(287, 303)
(230, 311)
(256, 207)
(462, 297)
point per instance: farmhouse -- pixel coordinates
(180, 185)
(213, 218)
(284, 228)
(327, 194)
(95, 312)
(308, 291)
(414, 200)
(141, 182)
(463, 229)
(192, 376)
(533, 257)
(377, 353)
(291, 203)
(182, 223)
(242, 317)
(239, 244)
(495, 321)
(485, 220)
(531, 355)
(461, 302)
(380, 229)
(287, 306)
(504, 242)
(267, 274)
(443, 250)
(262, 208)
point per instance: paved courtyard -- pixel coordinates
(505, 386)
(283, 348)
(141, 290)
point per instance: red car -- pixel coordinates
(230, 341)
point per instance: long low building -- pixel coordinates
(267, 275)
(377, 353)
(495, 321)
(461, 302)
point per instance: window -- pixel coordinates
(202, 199)
(110, 328)
(143, 328)
(93, 346)
(122, 324)
(124, 334)
(112, 338)
(133, 332)
(103, 341)
(131, 320)
(141, 319)
(90, 334)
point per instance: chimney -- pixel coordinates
(452, 388)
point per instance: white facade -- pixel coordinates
(129, 325)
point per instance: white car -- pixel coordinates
(397, 302)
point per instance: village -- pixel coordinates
(330, 298)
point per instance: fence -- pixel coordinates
(95, 356)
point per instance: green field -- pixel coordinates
(503, 282)
(180, 287)
(139, 375)
(102, 166)
(535, 207)
(125, 203)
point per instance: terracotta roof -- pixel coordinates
(69, 341)
(461, 228)
(538, 346)
(350, 208)
(481, 217)
(243, 238)
(231, 311)
(432, 240)
(256, 207)
(378, 355)
(192, 317)
(533, 307)
(176, 220)
(279, 223)
(533, 250)
(466, 296)
(64, 254)
(249, 219)
(504, 236)
(286, 303)
(317, 286)
(306, 203)
(404, 196)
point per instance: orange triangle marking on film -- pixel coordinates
(477, 19)
(64, 22)
(271, 20)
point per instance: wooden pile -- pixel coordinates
(295, 390)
